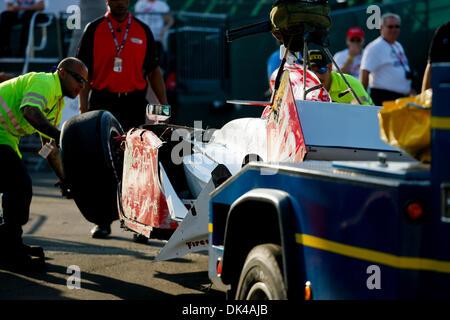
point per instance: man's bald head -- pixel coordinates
(71, 62)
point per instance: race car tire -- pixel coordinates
(261, 277)
(92, 162)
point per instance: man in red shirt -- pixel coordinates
(119, 51)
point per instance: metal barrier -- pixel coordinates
(31, 48)
(202, 58)
(197, 51)
(29, 53)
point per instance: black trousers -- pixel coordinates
(15, 184)
(128, 109)
(380, 95)
(8, 19)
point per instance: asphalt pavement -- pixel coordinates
(82, 268)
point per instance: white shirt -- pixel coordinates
(342, 56)
(154, 21)
(387, 65)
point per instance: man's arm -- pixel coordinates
(345, 68)
(84, 98)
(168, 19)
(426, 82)
(54, 159)
(157, 84)
(364, 78)
(37, 119)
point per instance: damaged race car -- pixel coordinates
(275, 200)
(152, 176)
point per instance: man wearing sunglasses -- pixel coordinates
(384, 66)
(349, 60)
(30, 103)
(333, 82)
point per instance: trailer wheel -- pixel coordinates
(93, 161)
(261, 277)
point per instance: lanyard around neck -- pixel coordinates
(119, 49)
(399, 57)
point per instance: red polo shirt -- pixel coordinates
(98, 50)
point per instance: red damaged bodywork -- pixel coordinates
(143, 201)
(285, 140)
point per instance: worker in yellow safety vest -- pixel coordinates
(334, 83)
(30, 103)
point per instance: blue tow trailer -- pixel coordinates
(338, 229)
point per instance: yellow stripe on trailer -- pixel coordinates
(440, 123)
(210, 227)
(372, 255)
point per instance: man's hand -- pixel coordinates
(364, 78)
(54, 159)
(66, 191)
(354, 49)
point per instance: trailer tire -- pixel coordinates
(92, 163)
(261, 277)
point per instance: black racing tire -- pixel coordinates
(261, 277)
(93, 163)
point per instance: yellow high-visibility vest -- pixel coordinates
(40, 90)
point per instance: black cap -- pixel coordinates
(317, 58)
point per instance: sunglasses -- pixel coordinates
(76, 76)
(396, 26)
(355, 40)
(320, 70)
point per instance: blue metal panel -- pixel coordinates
(362, 215)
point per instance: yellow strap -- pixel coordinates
(373, 256)
(440, 123)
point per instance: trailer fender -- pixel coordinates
(257, 217)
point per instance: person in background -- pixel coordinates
(384, 66)
(439, 52)
(160, 21)
(349, 60)
(119, 52)
(18, 12)
(333, 82)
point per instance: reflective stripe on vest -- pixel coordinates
(17, 130)
(31, 97)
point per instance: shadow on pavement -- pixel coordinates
(26, 289)
(193, 280)
(89, 249)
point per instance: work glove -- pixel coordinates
(65, 189)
